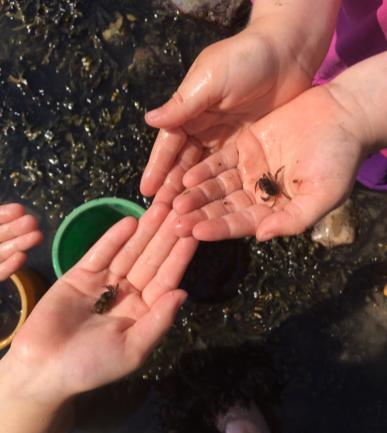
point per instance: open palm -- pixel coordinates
(78, 349)
(312, 144)
(229, 86)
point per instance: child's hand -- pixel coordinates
(234, 82)
(18, 233)
(231, 84)
(71, 349)
(314, 144)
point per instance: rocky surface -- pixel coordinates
(221, 12)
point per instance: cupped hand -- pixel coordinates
(18, 233)
(72, 349)
(231, 84)
(282, 175)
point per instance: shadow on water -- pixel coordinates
(332, 358)
(320, 371)
(216, 270)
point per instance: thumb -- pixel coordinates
(296, 217)
(195, 94)
(146, 333)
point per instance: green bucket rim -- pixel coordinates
(134, 208)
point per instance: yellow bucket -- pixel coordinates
(29, 286)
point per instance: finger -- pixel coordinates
(196, 93)
(231, 226)
(297, 216)
(146, 333)
(171, 272)
(21, 243)
(162, 158)
(107, 247)
(173, 185)
(211, 190)
(17, 227)
(212, 166)
(154, 254)
(234, 202)
(9, 212)
(11, 265)
(148, 226)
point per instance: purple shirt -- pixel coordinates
(361, 32)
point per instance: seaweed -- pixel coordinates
(74, 81)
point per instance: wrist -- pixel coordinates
(303, 28)
(27, 405)
(361, 90)
(291, 51)
(21, 385)
(350, 117)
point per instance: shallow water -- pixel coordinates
(288, 324)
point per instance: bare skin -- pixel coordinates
(321, 153)
(18, 233)
(234, 82)
(47, 365)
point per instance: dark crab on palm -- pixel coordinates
(106, 300)
(270, 185)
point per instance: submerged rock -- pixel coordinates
(336, 228)
(114, 30)
(221, 12)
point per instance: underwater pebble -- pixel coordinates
(336, 228)
(217, 11)
(114, 29)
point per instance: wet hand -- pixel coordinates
(18, 233)
(230, 85)
(76, 349)
(282, 175)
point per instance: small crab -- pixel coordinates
(269, 184)
(106, 300)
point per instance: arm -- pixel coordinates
(363, 89)
(307, 27)
(48, 365)
(24, 407)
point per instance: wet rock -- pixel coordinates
(114, 31)
(221, 12)
(336, 228)
(144, 58)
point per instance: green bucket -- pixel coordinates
(84, 226)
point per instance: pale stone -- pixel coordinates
(336, 228)
(218, 11)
